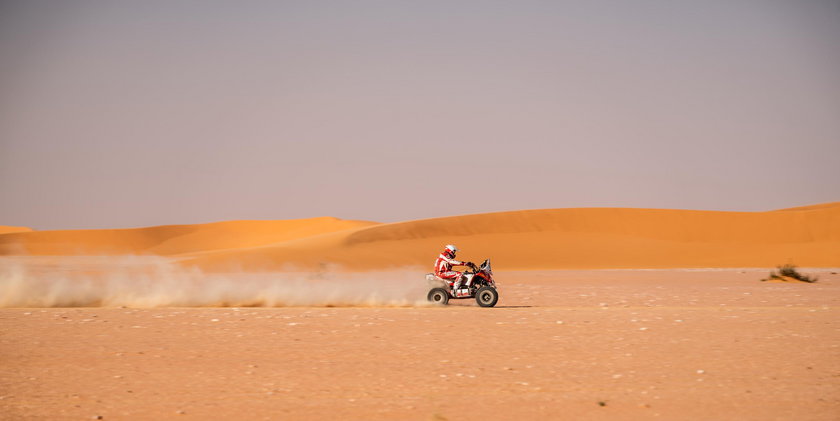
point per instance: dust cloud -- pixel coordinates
(145, 281)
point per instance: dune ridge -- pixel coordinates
(811, 207)
(577, 238)
(168, 240)
(573, 238)
(7, 229)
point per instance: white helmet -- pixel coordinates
(451, 249)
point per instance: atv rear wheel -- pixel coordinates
(487, 296)
(438, 296)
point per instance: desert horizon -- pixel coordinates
(570, 238)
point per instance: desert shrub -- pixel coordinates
(787, 272)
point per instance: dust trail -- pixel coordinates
(135, 281)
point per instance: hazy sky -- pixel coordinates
(125, 114)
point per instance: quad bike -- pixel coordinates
(478, 284)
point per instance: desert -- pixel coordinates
(419, 210)
(604, 314)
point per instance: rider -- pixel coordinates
(444, 263)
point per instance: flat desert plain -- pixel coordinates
(600, 318)
(598, 345)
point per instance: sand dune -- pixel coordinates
(535, 239)
(570, 238)
(6, 229)
(594, 345)
(170, 239)
(812, 207)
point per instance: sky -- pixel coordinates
(129, 114)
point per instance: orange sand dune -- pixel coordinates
(169, 239)
(521, 240)
(567, 238)
(6, 229)
(812, 207)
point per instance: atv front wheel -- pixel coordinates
(487, 296)
(438, 296)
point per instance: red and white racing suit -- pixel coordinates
(443, 269)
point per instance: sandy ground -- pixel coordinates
(583, 345)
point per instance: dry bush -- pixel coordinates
(788, 272)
